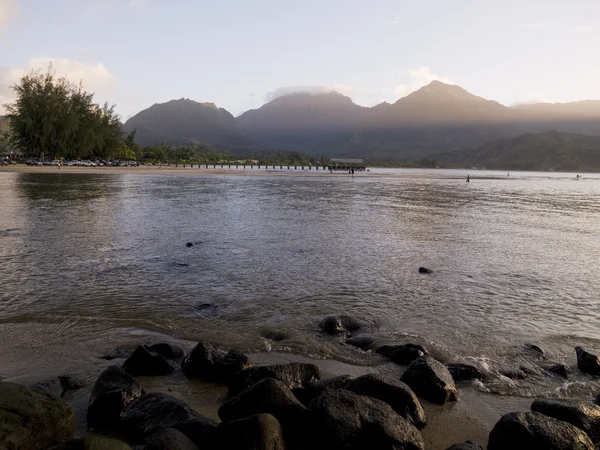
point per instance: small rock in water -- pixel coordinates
(189, 244)
(431, 380)
(145, 362)
(403, 354)
(532, 430)
(362, 342)
(560, 369)
(514, 374)
(60, 385)
(465, 372)
(535, 350)
(340, 324)
(469, 445)
(587, 362)
(425, 270)
(584, 415)
(275, 335)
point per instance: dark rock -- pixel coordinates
(584, 415)
(145, 362)
(274, 335)
(92, 442)
(350, 323)
(189, 244)
(587, 362)
(313, 389)
(157, 411)
(362, 342)
(332, 325)
(560, 369)
(395, 393)
(167, 350)
(169, 439)
(293, 375)
(32, 419)
(469, 445)
(597, 400)
(465, 372)
(208, 362)
(60, 385)
(425, 270)
(113, 391)
(259, 432)
(514, 374)
(431, 380)
(357, 422)
(403, 354)
(535, 350)
(118, 353)
(535, 431)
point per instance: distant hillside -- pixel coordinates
(551, 150)
(585, 108)
(184, 122)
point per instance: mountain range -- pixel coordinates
(437, 119)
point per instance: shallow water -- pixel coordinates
(92, 261)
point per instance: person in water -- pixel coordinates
(353, 171)
(468, 179)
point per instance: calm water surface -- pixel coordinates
(92, 261)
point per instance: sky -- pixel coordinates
(239, 54)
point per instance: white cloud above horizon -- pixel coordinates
(9, 10)
(418, 78)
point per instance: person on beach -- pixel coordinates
(468, 179)
(352, 170)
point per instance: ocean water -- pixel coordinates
(89, 262)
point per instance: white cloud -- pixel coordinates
(397, 21)
(348, 91)
(94, 76)
(418, 78)
(139, 3)
(9, 9)
(534, 26)
(582, 28)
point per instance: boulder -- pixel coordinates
(425, 270)
(113, 391)
(31, 419)
(583, 415)
(117, 353)
(535, 431)
(587, 362)
(357, 422)
(340, 324)
(208, 362)
(431, 380)
(402, 354)
(560, 369)
(535, 351)
(395, 393)
(60, 385)
(189, 244)
(468, 445)
(156, 411)
(312, 390)
(168, 350)
(92, 442)
(145, 362)
(259, 432)
(597, 400)
(169, 439)
(362, 342)
(465, 372)
(274, 334)
(293, 375)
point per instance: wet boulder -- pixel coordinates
(313, 389)
(340, 324)
(156, 411)
(32, 419)
(168, 350)
(362, 342)
(274, 334)
(293, 375)
(393, 392)
(425, 270)
(560, 369)
(117, 353)
(533, 431)
(403, 354)
(209, 362)
(146, 362)
(587, 362)
(357, 422)
(60, 385)
(584, 415)
(259, 432)
(169, 439)
(431, 380)
(468, 445)
(465, 372)
(113, 391)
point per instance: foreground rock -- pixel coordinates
(113, 391)
(535, 431)
(584, 415)
(357, 422)
(259, 432)
(208, 362)
(92, 442)
(169, 439)
(469, 445)
(60, 385)
(168, 350)
(31, 419)
(293, 375)
(465, 372)
(340, 324)
(431, 380)
(312, 390)
(146, 362)
(587, 362)
(395, 393)
(157, 411)
(403, 354)
(560, 369)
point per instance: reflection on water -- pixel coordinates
(102, 259)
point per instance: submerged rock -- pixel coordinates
(60, 385)
(465, 372)
(293, 375)
(362, 342)
(403, 354)
(468, 445)
(118, 353)
(313, 389)
(146, 362)
(431, 380)
(113, 391)
(357, 422)
(425, 270)
(208, 362)
(274, 334)
(587, 362)
(189, 244)
(259, 432)
(340, 324)
(535, 350)
(33, 420)
(560, 369)
(533, 431)
(168, 350)
(395, 393)
(584, 415)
